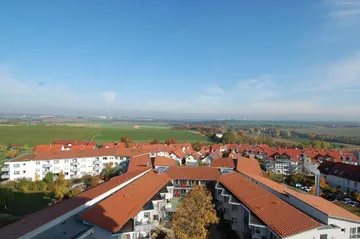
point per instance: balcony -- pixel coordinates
(75, 163)
(5, 169)
(73, 169)
(5, 176)
(140, 227)
(47, 165)
(97, 168)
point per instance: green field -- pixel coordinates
(34, 135)
(350, 132)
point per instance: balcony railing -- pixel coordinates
(75, 163)
(5, 176)
(5, 169)
(74, 169)
(46, 165)
(96, 168)
(145, 226)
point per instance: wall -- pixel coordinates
(78, 209)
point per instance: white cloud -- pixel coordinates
(215, 89)
(109, 96)
(344, 13)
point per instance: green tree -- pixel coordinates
(10, 154)
(6, 195)
(194, 214)
(25, 147)
(49, 178)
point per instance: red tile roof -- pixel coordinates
(139, 163)
(223, 163)
(113, 212)
(318, 203)
(179, 153)
(279, 216)
(41, 147)
(248, 165)
(195, 172)
(64, 141)
(38, 219)
(164, 161)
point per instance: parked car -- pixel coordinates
(308, 189)
(298, 185)
(346, 200)
(353, 203)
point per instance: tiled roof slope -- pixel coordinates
(164, 161)
(223, 163)
(139, 163)
(113, 212)
(68, 154)
(342, 170)
(248, 165)
(279, 216)
(196, 173)
(38, 219)
(318, 203)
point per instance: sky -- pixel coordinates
(260, 59)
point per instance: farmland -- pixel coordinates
(33, 135)
(349, 132)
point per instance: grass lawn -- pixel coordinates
(27, 203)
(355, 210)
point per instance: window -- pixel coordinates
(343, 229)
(234, 208)
(146, 214)
(24, 171)
(56, 161)
(256, 230)
(234, 220)
(227, 211)
(219, 191)
(67, 160)
(220, 203)
(16, 172)
(24, 164)
(226, 199)
(37, 163)
(352, 230)
(17, 165)
(66, 173)
(323, 236)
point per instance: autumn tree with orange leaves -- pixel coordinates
(127, 140)
(194, 214)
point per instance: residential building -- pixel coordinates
(344, 176)
(73, 164)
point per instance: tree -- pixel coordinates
(60, 186)
(49, 178)
(127, 140)
(197, 146)
(6, 195)
(313, 190)
(10, 154)
(194, 214)
(324, 184)
(25, 147)
(171, 141)
(90, 181)
(9, 146)
(155, 141)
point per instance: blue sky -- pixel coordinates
(256, 59)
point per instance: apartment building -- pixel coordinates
(185, 178)
(133, 211)
(73, 164)
(342, 175)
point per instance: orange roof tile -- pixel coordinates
(248, 165)
(139, 162)
(113, 212)
(41, 147)
(33, 221)
(56, 147)
(64, 141)
(279, 216)
(195, 172)
(179, 153)
(164, 161)
(223, 163)
(318, 203)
